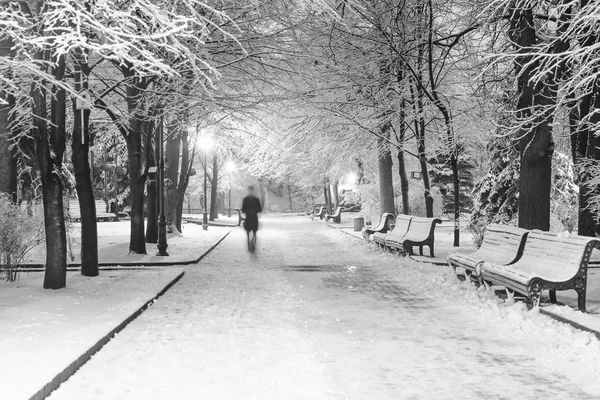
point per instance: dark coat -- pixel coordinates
(251, 207)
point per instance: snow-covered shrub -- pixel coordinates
(19, 233)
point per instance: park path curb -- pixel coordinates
(82, 359)
(85, 357)
(111, 266)
(574, 324)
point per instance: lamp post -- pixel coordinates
(206, 144)
(162, 221)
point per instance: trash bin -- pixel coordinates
(359, 223)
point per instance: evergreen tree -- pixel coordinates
(441, 177)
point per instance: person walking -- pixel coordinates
(251, 207)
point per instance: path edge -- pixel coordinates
(66, 373)
(116, 267)
(566, 320)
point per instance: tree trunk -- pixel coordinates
(335, 193)
(134, 90)
(8, 163)
(326, 197)
(386, 180)
(264, 194)
(50, 146)
(184, 177)
(214, 210)
(535, 142)
(290, 197)
(401, 164)
(83, 180)
(403, 182)
(173, 147)
(8, 160)
(152, 154)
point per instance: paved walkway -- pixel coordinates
(315, 314)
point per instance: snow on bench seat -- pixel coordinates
(501, 245)
(420, 233)
(382, 227)
(549, 262)
(401, 227)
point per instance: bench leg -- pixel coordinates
(468, 277)
(553, 296)
(581, 299)
(421, 250)
(452, 268)
(510, 295)
(431, 251)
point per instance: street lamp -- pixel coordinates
(206, 144)
(229, 167)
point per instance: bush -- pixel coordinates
(19, 233)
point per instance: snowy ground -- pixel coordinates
(316, 314)
(43, 331)
(113, 244)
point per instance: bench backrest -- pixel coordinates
(421, 228)
(402, 226)
(75, 210)
(337, 212)
(558, 257)
(502, 244)
(384, 222)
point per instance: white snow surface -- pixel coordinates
(113, 244)
(43, 331)
(315, 314)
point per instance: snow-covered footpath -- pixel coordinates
(317, 315)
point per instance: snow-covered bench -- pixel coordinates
(421, 233)
(549, 262)
(501, 245)
(336, 216)
(383, 226)
(398, 231)
(101, 214)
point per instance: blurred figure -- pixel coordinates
(251, 207)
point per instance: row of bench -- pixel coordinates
(522, 261)
(403, 233)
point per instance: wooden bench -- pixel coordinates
(383, 226)
(100, 206)
(336, 216)
(397, 232)
(240, 217)
(421, 233)
(501, 244)
(549, 262)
